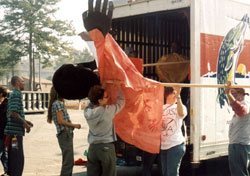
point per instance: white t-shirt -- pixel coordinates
(171, 134)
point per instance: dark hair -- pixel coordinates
(95, 93)
(4, 91)
(14, 80)
(168, 90)
(241, 91)
(53, 97)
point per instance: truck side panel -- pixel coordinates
(224, 38)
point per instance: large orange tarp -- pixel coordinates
(139, 122)
(138, 64)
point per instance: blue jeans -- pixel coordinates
(171, 160)
(4, 155)
(239, 156)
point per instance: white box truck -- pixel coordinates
(214, 35)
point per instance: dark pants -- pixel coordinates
(101, 160)
(65, 141)
(239, 156)
(16, 157)
(4, 155)
(148, 161)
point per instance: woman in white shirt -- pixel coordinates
(172, 139)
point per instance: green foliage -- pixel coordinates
(10, 55)
(74, 57)
(31, 25)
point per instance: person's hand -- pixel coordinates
(178, 90)
(228, 87)
(97, 18)
(29, 123)
(27, 127)
(78, 126)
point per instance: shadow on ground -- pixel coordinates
(125, 171)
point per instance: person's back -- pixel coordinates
(100, 121)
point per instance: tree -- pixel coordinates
(32, 24)
(10, 55)
(74, 57)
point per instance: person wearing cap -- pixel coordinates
(239, 131)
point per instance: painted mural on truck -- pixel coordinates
(229, 53)
(232, 56)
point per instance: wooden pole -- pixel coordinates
(203, 85)
(166, 63)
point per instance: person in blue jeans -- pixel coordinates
(239, 131)
(172, 140)
(3, 120)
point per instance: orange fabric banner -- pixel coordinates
(140, 121)
(138, 64)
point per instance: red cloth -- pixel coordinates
(138, 64)
(239, 109)
(80, 162)
(7, 141)
(139, 122)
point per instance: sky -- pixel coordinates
(71, 10)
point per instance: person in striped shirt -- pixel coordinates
(14, 129)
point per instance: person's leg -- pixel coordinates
(66, 144)
(172, 160)
(106, 154)
(164, 161)
(148, 161)
(238, 157)
(158, 160)
(94, 167)
(16, 158)
(4, 156)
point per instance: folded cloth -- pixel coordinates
(80, 162)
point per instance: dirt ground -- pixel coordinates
(42, 152)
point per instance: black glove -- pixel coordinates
(97, 19)
(73, 82)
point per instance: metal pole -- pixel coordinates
(166, 63)
(40, 74)
(203, 85)
(34, 72)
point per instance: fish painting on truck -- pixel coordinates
(230, 50)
